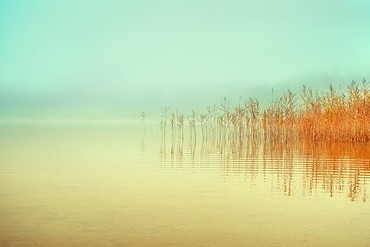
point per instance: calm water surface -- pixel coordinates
(101, 183)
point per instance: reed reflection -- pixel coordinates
(323, 138)
(337, 167)
(293, 166)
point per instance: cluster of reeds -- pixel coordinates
(327, 116)
(221, 127)
(320, 123)
(338, 117)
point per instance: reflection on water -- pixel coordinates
(337, 168)
(295, 166)
(124, 184)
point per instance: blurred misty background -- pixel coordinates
(112, 59)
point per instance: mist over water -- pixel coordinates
(113, 59)
(106, 138)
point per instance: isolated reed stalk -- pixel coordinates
(143, 115)
(163, 127)
(180, 131)
(173, 132)
(192, 119)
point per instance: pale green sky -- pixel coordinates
(72, 58)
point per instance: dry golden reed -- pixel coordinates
(328, 116)
(326, 127)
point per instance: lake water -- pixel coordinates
(109, 183)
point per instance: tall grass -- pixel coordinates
(329, 116)
(338, 117)
(326, 125)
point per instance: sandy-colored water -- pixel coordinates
(71, 183)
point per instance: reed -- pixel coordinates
(143, 116)
(329, 116)
(324, 125)
(336, 117)
(163, 127)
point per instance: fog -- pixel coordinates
(115, 59)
